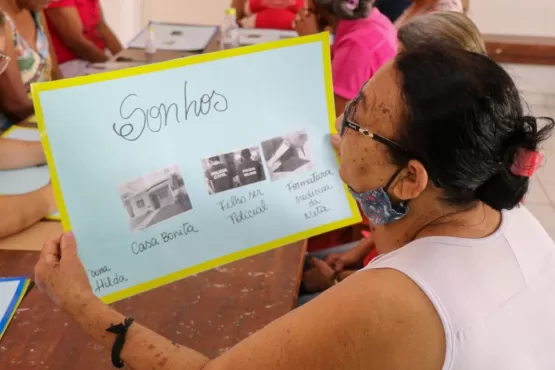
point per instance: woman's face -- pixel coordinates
(365, 164)
(33, 5)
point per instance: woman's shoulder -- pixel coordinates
(384, 305)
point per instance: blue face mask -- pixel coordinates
(377, 206)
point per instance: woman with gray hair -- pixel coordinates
(364, 40)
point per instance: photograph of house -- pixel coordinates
(288, 154)
(154, 197)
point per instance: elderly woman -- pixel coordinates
(420, 7)
(330, 265)
(438, 151)
(21, 211)
(364, 40)
(31, 54)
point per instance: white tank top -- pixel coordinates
(495, 296)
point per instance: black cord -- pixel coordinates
(120, 330)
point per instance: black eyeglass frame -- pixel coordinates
(347, 123)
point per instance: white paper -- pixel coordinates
(110, 66)
(7, 292)
(250, 36)
(176, 37)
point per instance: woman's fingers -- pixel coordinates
(51, 250)
(68, 245)
(336, 141)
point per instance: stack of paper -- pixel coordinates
(12, 291)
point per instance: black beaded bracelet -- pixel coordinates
(120, 330)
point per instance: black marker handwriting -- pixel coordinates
(140, 119)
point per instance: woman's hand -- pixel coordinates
(306, 23)
(61, 275)
(319, 276)
(335, 140)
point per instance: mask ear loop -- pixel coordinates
(392, 178)
(402, 203)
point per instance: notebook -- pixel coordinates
(24, 180)
(12, 291)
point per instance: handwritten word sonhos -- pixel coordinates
(139, 116)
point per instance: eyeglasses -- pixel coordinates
(349, 124)
(4, 62)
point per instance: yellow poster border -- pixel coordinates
(322, 38)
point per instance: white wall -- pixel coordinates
(209, 12)
(514, 17)
(125, 17)
(509, 17)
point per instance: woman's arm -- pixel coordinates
(68, 25)
(110, 39)
(22, 211)
(20, 154)
(56, 73)
(337, 330)
(14, 100)
(239, 6)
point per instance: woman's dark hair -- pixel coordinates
(346, 9)
(464, 120)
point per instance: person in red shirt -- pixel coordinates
(274, 14)
(80, 34)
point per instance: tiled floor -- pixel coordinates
(537, 85)
(541, 196)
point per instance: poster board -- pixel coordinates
(24, 180)
(175, 37)
(194, 162)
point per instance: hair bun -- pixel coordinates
(505, 190)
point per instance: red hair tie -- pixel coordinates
(526, 162)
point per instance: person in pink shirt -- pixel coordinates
(365, 39)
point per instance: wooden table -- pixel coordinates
(209, 312)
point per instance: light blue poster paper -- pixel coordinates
(166, 170)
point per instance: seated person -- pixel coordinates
(32, 60)
(420, 7)
(80, 35)
(364, 40)
(275, 14)
(329, 266)
(21, 211)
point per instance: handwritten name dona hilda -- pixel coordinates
(140, 119)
